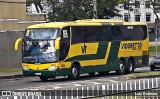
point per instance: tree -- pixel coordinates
(156, 9)
(69, 10)
(107, 8)
(37, 4)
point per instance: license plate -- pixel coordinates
(37, 74)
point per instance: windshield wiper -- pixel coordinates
(32, 57)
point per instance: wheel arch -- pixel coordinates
(77, 63)
(122, 58)
(131, 58)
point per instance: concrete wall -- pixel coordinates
(13, 15)
(9, 58)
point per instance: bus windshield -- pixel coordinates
(36, 34)
(38, 46)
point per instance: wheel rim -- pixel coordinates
(121, 67)
(74, 72)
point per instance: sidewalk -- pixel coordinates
(11, 75)
(154, 43)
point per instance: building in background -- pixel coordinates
(13, 15)
(142, 12)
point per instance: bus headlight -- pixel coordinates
(25, 68)
(53, 68)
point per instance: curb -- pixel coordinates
(12, 76)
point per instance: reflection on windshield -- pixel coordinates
(42, 34)
(39, 51)
(38, 45)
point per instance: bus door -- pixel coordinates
(65, 42)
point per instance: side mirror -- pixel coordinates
(16, 45)
(57, 43)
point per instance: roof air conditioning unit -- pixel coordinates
(131, 1)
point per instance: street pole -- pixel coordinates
(156, 40)
(94, 9)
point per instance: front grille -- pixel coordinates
(156, 63)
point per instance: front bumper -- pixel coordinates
(39, 73)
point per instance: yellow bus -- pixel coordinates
(83, 46)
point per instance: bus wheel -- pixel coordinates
(43, 78)
(121, 67)
(130, 66)
(91, 74)
(74, 72)
(152, 67)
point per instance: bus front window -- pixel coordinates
(38, 46)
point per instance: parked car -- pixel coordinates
(155, 63)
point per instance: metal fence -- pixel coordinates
(133, 89)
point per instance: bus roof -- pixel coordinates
(99, 21)
(85, 22)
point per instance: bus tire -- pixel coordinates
(130, 67)
(152, 67)
(75, 72)
(91, 74)
(121, 67)
(42, 78)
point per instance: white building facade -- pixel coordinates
(142, 11)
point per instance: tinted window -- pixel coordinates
(91, 34)
(133, 32)
(107, 33)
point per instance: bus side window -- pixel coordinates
(107, 33)
(117, 34)
(77, 35)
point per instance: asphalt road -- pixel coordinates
(34, 83)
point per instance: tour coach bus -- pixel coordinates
(83, 46)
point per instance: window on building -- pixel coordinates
(150, 30)
(137, 4)
(148, 17)
(137, 18)
(147, 4)
(126, 17)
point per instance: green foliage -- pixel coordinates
(37, 4)
(70, 10)
(107, 8)
(9, 70)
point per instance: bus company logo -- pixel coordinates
(133, 46)
(84, 48)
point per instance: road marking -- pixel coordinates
(95, 83)
(57, 87)
(73, 82)
(112, 81)
(76, 84)
(15, 97)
